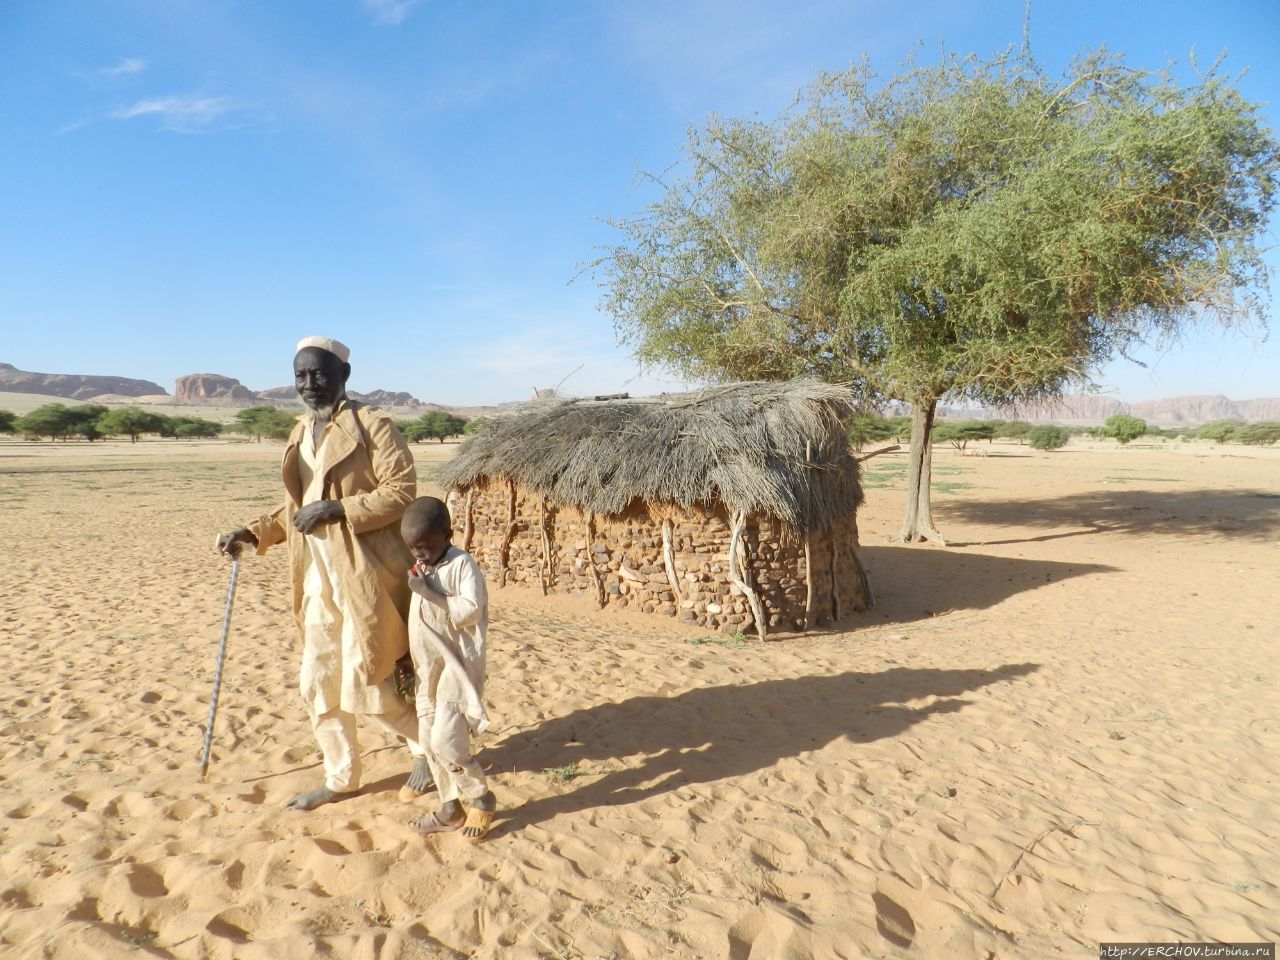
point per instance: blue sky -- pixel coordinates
(191, 187)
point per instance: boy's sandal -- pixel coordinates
(431, 823)
(476, 825)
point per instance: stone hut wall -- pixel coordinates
(620, 561)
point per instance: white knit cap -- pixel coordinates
(338, 349)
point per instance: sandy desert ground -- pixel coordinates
(1058, 731)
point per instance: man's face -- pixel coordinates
(321, 378)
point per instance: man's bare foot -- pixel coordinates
(419, 781)
(445, 820)
(316, 798)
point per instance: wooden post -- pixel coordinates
(669, 560)
(546, 574)
(468, 526)
(740, 580)
(591, 560)
(835, 576)
(504, 552)
(808, 552)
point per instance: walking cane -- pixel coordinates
(217, 673)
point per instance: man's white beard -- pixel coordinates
(326, 411)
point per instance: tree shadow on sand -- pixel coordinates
(1231, 514)
(711, 733)
(919, 582)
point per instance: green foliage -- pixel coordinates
(1259, 434)
(264, 421)
(437, 425)
(1013, 430)
(959, 434)
(976, 229)
(1047, 438)
(58, 421)
(7, 420)
(475, 425)
(562, 774)
(1218, 430)
(193, 428)
(131, 422)
(869, 427)
(1123, 427)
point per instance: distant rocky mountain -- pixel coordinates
(1261, 408)
(1185, 411)
(73, 386)
(201, 388)
(212, 389)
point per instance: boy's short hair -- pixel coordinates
(427, 515)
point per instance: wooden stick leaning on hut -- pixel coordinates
(468, 525)
(808, 551)
(739, 580)
(669, 561)
(504, 552)
(591, 560)
(545, 572)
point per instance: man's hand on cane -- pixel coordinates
(230, 544)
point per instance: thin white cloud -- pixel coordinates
(389, 13)
(185, 113)
(127, 67)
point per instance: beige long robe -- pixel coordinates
(368, 467)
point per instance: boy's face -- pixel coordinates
(426, 545)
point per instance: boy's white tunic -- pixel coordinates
(447, 632)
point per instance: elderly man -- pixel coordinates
(348, 476)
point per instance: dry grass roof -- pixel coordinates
(777, 449)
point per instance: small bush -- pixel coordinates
(1047, 438)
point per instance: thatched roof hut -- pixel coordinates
(748, 453)
(758, 448)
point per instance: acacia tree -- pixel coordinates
(972, 230)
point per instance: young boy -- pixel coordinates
(448, 620)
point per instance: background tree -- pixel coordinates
(7, 418)
(437, 425)
(188, 428)
(959, 434)
(59, 421)
(973, 230)
(868, 427)
(1047, 438)
(1260, 434)
(1013, 430)
(130, 421)
(1123, 428)
(264, 421)
(1219, 431)
(475, 425)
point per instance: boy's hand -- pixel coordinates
(418, 574)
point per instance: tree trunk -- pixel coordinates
(918, 522)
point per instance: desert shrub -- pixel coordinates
(1123, 427)
(959, 434)
(1220, 431)
(1047, 438)
(7, 420)
(1013, 430)
(58, 421)
(264, 421)
(1259, 434)
(131, 421)
(868, 427)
